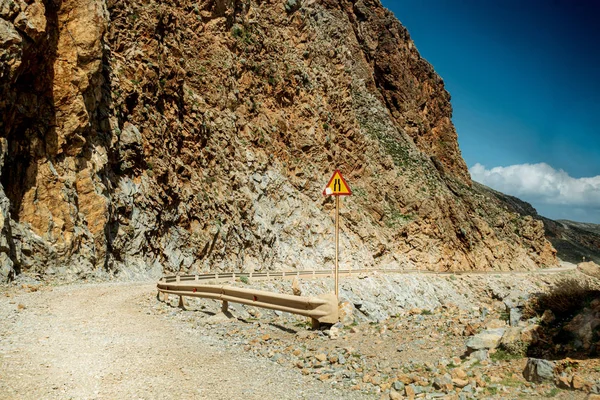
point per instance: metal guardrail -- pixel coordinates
(322, 309)
(227, 276)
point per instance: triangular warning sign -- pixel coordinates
(337, 186)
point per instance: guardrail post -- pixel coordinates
(181, 303)
(267, 274)
(225, 307)
(196, 277)
(315, 324)
(250, 277)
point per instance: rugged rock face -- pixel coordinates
(139, 137)
(573, 241)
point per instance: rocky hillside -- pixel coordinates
(573, 241)
(140, 137)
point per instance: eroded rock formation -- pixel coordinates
(138, 137)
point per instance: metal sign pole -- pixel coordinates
(337, 244)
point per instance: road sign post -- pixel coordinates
(337, 187)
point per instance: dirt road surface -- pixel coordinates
(111, 341)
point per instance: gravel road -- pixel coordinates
(111, 341)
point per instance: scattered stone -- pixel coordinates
(305, 335)
(296, 287)
(479, 355)
(410, 391)
(334, 331)
(495, 324)
(514, 316)
(443, 382)
(460, 383)
(578, 383)
(394, 395)
(562, 381)
(458, 373)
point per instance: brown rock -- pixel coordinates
(410, 392)
(194, 185)
(529, 334)
(590, 268)
(296, 287)
(460, 383)
(458, 373)
(404, 378)
(578, 383)
(563, 382)
(32, 21)
(395, 395)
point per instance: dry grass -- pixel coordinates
(564, 300)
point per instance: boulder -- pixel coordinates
(538, 370)
(590, 268)
(488, 339)
(514, 316)
(346, 312)
(511, 341)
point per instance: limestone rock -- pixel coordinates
(32, 21)
(511, 341)
(346, 312)
(130, 147)
(205, 146)
(514, 316)
(10, 51)
(488, 339)
(590, 268)
(8, 9)
(538, 370)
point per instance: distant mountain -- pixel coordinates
(572, 240)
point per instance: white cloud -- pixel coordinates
(540, 183)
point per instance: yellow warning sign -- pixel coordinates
(337, 186)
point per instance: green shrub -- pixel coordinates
(503, 355)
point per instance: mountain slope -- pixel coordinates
(574, 241)
(142, 137)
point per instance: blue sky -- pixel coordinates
(525, 83)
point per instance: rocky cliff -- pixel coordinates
(140, 137)
(574, 241)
